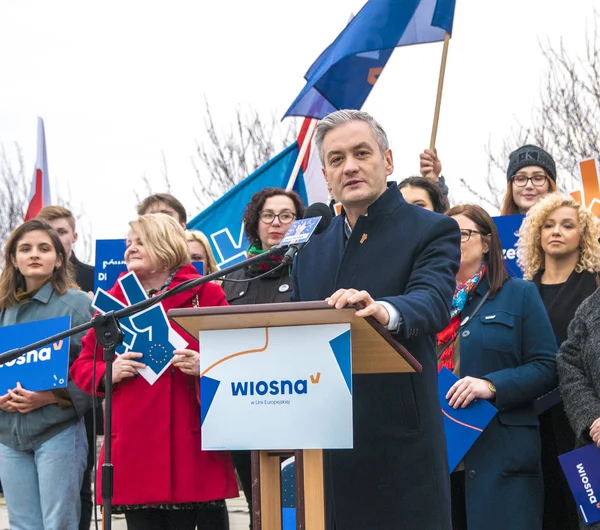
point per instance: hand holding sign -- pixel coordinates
(6, 404)
(467, 389)
(25, 401)
(188, 361)
(125, 366)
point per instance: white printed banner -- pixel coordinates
(276, 388)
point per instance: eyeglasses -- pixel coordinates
(537, 180)
(465, 234)
(285, 218)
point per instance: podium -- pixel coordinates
(374, 351)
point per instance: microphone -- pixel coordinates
(318, 209)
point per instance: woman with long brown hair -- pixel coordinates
(43, 447)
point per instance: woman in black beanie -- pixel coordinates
(531, 175)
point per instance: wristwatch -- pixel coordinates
(491, 387)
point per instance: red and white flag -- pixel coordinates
(312, 169)
(40, 186)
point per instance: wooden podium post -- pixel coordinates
(374, 351)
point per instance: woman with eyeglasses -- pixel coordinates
(531, 175)
(559, 252)
(267, 218)
(500, 344)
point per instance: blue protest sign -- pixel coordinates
(461, 426)
(148, 332)
(300, 231)
(110, 262)
(582, 469)
(508, 226)
(199, 265)
(42, 369)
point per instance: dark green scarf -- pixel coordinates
(265, 266)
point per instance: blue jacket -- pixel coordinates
(396, 476)
(511, 343)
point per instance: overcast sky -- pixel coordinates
(117, 83)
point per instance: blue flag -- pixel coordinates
(344, 74)
(222, 220)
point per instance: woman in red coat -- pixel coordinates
(161, 474)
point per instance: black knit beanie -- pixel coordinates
(530, 155)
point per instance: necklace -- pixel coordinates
(153, 292)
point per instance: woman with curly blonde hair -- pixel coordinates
(559, 251)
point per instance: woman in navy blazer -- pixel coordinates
(504, 353)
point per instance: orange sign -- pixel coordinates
(589, 194)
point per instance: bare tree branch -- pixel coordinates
(565, 122)
(225, 159)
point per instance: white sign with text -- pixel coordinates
(276, 388)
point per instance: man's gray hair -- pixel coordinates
(339, 117)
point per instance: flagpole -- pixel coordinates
(438, 101)
(303, 149)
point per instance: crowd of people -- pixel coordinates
(432, 274)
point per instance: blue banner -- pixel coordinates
(110, 262)
(42, 369)
(508, 226)
(222, 223)
(582, 469)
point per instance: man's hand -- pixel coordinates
(430, 165)
(188, 361)
(465, 390)
(125, 366)
(368, 307)
(25, 401)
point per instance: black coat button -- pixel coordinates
(472, 473)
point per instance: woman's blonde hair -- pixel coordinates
(531, 255)
(211, 263)
(164, 240)
(509, 206)
(12, 281)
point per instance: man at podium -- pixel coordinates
(398, 262)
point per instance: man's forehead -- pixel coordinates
(349, 136)
(61, 222)
(160, 207)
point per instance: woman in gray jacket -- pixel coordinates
(43, 447)
(579, 375)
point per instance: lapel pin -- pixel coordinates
(363, 238)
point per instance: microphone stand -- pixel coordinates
(109, 335)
